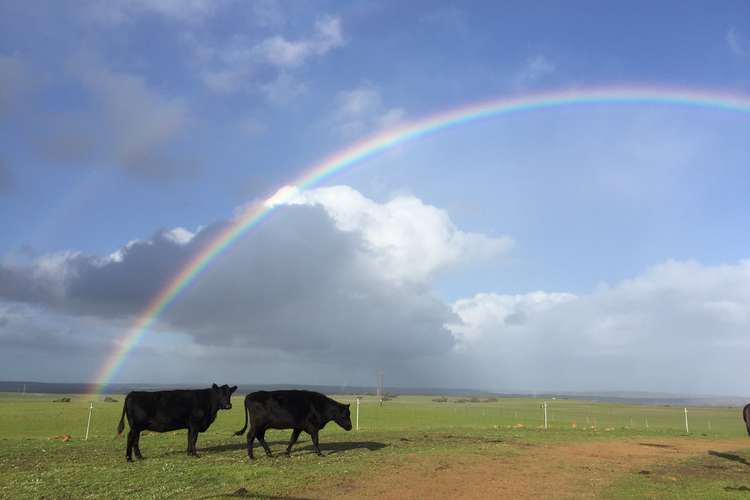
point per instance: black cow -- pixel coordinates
(746, 417)
(163, 411)
(299, 410)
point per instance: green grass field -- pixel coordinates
(34, 464)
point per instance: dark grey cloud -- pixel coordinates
(330, 287)
(298, 285)
(41, 345)
(86, 285)
(302, 287)
(34, 329)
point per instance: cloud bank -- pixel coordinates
(335, 274)
(679, 326)
(340, 285)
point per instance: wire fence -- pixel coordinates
(424, 413)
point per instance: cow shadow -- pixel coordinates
(243, 493)
(225, 447)
(736, 488)
(729, 456)
(279, 447)
(341, 447)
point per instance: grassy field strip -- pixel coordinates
(36, 461)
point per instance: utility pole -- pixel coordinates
(381, 393)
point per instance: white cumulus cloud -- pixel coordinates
(245, 63)
(360, 111)
(114, 12)
(532, 71)
(679, 326)
(405, 238)
(735, 41)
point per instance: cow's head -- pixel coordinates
(224, 395)
(343, 418)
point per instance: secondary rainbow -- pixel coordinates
(383, 141)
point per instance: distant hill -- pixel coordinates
(630, 397)
(79, 388)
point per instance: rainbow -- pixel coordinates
(384, 141)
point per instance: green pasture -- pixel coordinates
(35, 462)
(713, 475)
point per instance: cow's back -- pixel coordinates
(283, 408)
(162, 411)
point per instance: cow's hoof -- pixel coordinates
(128, 459)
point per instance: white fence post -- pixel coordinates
(687, 429)
(545, 414)
(358, 398)
(88, 424)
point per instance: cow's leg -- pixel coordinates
(192, 438)
(316, 447)
(250, 439)
(295, 435)
(129, 450)
(189, 441)
(262, 438)
(195, 443)
(137, 445)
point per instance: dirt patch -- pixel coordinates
(570, 470)
(64, 438)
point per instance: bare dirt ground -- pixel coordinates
(567, 470)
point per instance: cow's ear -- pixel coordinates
(232, 389)
(214, 387)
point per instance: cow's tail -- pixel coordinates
(121, 425)
(247, 410)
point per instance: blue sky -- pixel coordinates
(123, 121)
